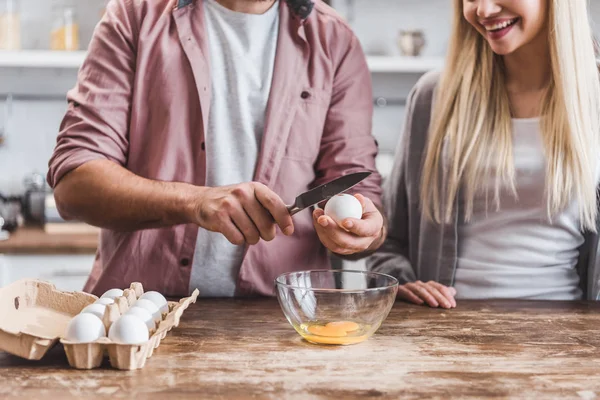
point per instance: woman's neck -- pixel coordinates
(529, 69)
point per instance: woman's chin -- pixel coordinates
(503, 49)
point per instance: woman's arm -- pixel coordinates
(393, 256)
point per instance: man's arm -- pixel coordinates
(87, 169)
(104, 194)
(107, 195)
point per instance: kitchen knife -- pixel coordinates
(326, 191)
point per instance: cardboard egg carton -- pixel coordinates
(34, 315)
(125, 356)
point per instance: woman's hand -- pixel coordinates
(431, 293)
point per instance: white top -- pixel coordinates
(242, 57)
(517, 252)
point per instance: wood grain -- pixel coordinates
(33, 240)
(238, 349)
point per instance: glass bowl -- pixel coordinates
(338, 307)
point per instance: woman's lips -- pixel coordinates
(498, 30)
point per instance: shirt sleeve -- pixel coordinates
(347, 144)
(96, 123)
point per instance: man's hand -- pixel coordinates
(356, 236)
(432, 293)
(243, 213)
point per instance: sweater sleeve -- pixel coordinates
(393, 256)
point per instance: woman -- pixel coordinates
(493, 193)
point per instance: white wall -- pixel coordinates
(34, 123)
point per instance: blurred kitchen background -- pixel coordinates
(43, 44)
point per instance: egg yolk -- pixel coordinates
(329, 331)
(338, 332)
(347, 326)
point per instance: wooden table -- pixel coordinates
(235, 349)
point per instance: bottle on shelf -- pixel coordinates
(10, 25)
(65, 30)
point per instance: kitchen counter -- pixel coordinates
(234, 349)
(34, 240)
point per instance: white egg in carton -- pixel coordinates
(131, 338)
(34, 316)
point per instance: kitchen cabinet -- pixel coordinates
(67, 272)
(64, 260)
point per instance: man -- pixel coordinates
(194, 122)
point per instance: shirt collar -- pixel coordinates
(300, 8)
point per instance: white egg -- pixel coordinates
(96, 309)
(112, 294)
(144, 315)
(128, 329)
(157, 299)
(343, 206)
(151, 307)
(105, 301)
(85, 328)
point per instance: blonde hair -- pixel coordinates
(472, 120)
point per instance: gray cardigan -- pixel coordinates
(418, 249)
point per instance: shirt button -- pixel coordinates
(305, 95)
(184, 262)
(203, 146)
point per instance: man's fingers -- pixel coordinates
(273, 203)
(343, 242)
(325, 221)
(369, 226)
(245, 225)
(232, 233)
(262, 219)
(317, 213)
(370, 223)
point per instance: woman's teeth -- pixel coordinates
(501, 25)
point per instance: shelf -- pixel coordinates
(41, 59)
(73, 60)
(414, 65)
(50, 74)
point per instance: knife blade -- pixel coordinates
(326, 191)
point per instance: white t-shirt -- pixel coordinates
(517, 252)
(242, 57)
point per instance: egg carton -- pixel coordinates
(125, 356)
(33, 315)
